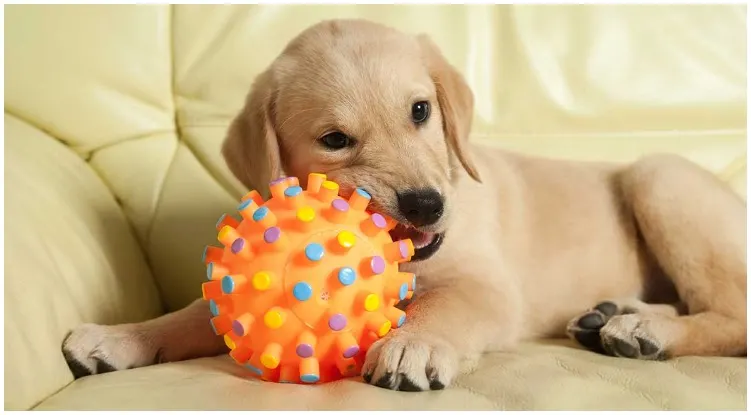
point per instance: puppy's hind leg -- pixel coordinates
(181, 335)
(695, 227)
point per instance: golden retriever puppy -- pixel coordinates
(642, 261)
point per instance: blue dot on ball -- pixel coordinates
(314, 251)
(346, 276)
(260, 213)
(302, 291)
(292, 191)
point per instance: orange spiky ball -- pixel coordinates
(306, 281)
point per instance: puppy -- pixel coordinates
(509, 247)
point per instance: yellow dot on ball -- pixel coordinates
(261, 280)
(384, 329)
(269, 361)
(329, 185)
(372, 303)
(273, 319)
(228, 341)
(346, 239)
(224, 232)
(306, 214)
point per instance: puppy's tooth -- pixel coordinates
(314, 182)
(359, 199)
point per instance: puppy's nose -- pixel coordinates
(421, 207)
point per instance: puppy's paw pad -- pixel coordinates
(629, 336)
(408, 363)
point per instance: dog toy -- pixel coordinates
(306, 281)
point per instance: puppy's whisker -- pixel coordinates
(281, 126)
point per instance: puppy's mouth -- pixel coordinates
(426, 243)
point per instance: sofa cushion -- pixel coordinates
(70, 258)
(539, 376)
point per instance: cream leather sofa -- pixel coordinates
(113, 121)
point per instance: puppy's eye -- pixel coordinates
(336, 141)
(420, 112)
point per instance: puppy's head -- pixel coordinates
(370, 107)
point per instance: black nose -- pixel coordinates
(421, 207)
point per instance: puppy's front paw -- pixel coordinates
(91, 349)
(409, 363)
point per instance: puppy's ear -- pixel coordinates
(456, 102)
(251, 149)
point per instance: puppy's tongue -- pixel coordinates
(419, 239)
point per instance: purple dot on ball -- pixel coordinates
(377, 265)
(272, 234)
(340, 205)
(378, 220)
(337, 322)
(304, 350)
(238, 328)
(403, 249)
(277, 181)
(238, 245)
(351, 351)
